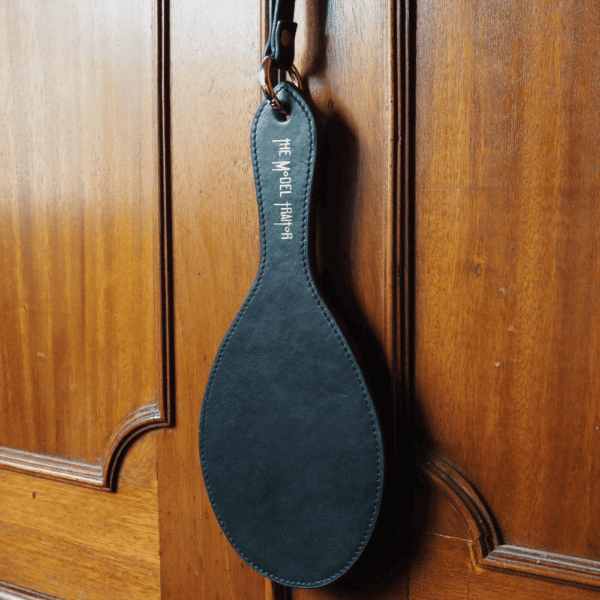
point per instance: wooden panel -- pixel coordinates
(443, 569)
(80, 206)
(507, 256)
(490, 584)
(356, 207)
(458, 555)
(71, 542)
(443, 566)
(214, 57)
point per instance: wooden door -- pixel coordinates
(458, 237)
(507, 293)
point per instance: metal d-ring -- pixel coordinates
(264, 76)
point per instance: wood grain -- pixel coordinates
(507, 337)
(356, 207)
(215, 53)
(80, 261)
(507, 256)
(444, 569)
(469, 519)
(454, 556)
(72, 542)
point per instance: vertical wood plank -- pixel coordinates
(215, 53)
(508, 256)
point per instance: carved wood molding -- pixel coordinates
(103, 475)
(488, 549)
(484, 535)
(549, 565)
(9, 591)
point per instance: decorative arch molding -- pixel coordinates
(488, 550)
(478, 520)
(10, 591)
(102, 475)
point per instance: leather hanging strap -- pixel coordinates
(282, 34)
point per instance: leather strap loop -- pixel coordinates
(282, 34)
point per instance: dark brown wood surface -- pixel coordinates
(507, 259)
(457, 237)
(70, 542)
(214, 58)
(80, 350)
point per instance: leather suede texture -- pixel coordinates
(290, 443)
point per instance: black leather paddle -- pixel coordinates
(290, 444)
